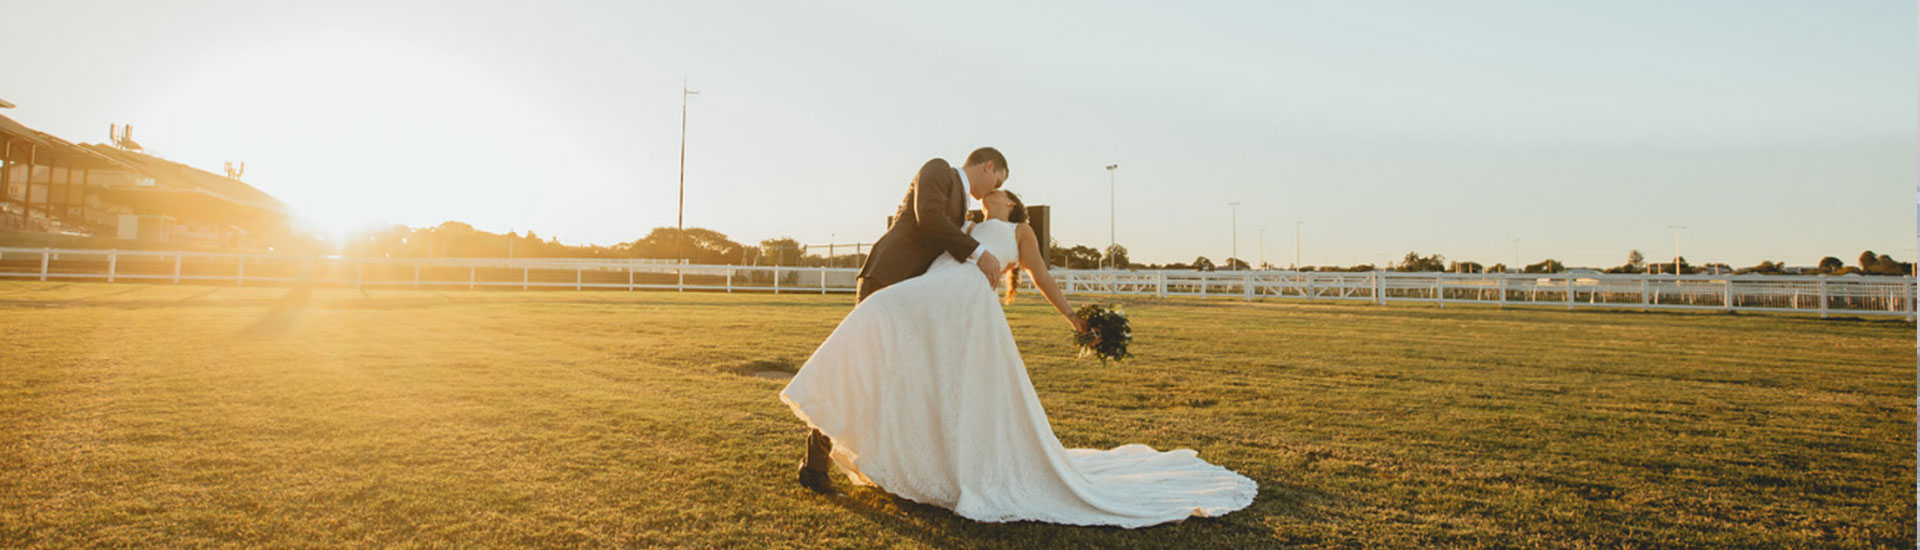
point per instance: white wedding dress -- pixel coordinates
(924, 394)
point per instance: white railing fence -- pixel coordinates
(1826, 295)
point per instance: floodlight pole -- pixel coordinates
(1111, 168)
(1236, 233)
(680, 220)
(1676, 247)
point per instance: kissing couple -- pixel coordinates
(921, 390)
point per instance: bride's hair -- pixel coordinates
(1017, 216)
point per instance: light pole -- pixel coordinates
(1110, 217)
(680, 220)
(1296, 242)
(1676, 247)
(1236, 233)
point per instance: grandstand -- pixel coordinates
(59, 193)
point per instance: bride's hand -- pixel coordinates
(1079, 325)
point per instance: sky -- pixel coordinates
(1480, 130)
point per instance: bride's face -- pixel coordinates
(997, 205)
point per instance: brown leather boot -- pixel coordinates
(813, 471)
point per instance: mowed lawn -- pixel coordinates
(137, 415)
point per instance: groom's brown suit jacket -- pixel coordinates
(927, 225)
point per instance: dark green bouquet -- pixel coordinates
(1107, 335)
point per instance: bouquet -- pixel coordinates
(1107, 335)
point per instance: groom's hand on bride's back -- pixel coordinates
(990, 266)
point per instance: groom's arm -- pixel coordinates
(932, 195)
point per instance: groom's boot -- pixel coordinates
(813, 471)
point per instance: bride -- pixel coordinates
(924, 394)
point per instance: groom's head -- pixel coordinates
(986, 171)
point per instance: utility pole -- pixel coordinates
(680, 220)
(1676, 247)
(1236, 233)
(1296, 242)
(1263, 248)
(1110, 217)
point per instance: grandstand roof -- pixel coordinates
(42, 148)
(174, 176)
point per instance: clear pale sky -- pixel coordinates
(1773, 130)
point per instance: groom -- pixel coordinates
(927, 225)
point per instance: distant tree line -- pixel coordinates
(697, 245)
(706, 246)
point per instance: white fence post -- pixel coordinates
(113, 264)
(1440, 290)
(1160, 282)
(1246, 286)
(576, 277)
(473, 274)
(1726, 293)
(1502, 283)
(1311, 292)
(823, 281)
(629, 277)
(729, 280)
(45, 256)
(1203, 285)
(176, 267)
(776, 279)
(1644, 296)
(680, 278)
(1569, 291)
(1379, 299)
(1823, 296)
(240, 273)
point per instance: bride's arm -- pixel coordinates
(1035, 262)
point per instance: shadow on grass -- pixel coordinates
(940, 528)
(778, 369)
(281, 318)
(114, 293)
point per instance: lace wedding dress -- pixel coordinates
(924, 394)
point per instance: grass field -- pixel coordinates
(189, 416)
